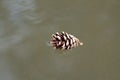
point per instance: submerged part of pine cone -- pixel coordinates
(64, 41)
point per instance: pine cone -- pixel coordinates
(64, 41)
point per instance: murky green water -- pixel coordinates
(26, 27)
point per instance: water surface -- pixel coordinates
(26, 27)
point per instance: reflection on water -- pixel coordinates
(26, 27)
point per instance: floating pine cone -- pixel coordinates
(64, 41)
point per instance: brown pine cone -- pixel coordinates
(64, 41)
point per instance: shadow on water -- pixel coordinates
(26, 27)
